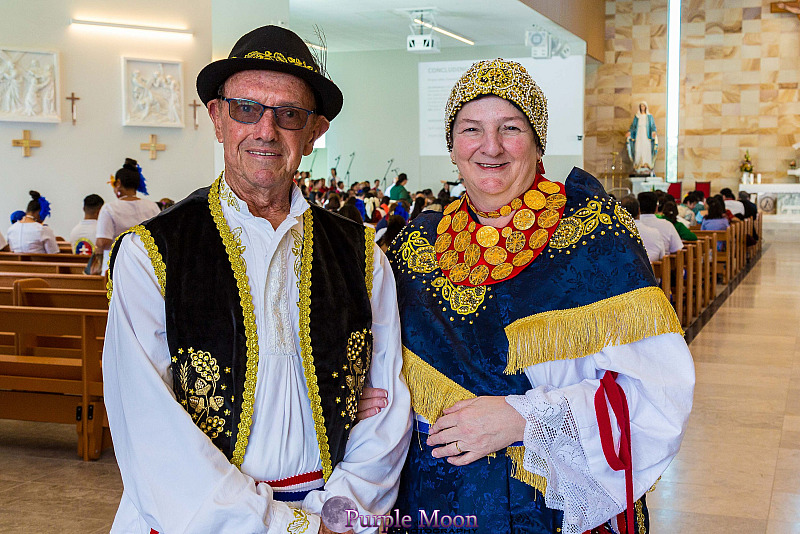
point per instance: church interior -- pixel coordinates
(85, 84)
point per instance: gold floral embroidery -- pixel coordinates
(297, 251)
(306, 351)
(227, 195)
(234, 248)
(625, 218)
(463, 299)
(419, 254)
(300, 523)
(152, 251)
(356, 346)
(583, 222)
(277, 56)
(201, 396)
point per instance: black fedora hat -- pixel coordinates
(272, 48)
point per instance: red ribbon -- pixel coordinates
(618, 462)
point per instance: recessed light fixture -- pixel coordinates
(126, 26)
(443, 31)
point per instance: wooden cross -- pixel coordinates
(152, 146)
(785, 7)
(73, 98)
(194, 105)
(26, 143)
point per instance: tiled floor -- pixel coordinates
(738, 470)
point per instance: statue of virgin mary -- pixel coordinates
(642, 141)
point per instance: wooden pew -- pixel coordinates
(37, 292)
(689, 249)
(724, 264)
(73, 281)
(661, 270)
(41, 267)
(676, 266)
(52, 384)
(58, 258)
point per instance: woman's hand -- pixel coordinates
(371, 403)
(474, 428)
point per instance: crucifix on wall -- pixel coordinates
(785, 7)
(153, 146)
(73, 99)
(26, 143)
(194, 105)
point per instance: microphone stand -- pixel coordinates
(387, 172)
(347, 174)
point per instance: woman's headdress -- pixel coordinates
(506, 79)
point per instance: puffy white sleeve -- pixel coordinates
(376, 451)
(562, 440)
(105, 225)
(49, 240)
(175, 479)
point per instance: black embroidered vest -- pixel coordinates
(211, 328)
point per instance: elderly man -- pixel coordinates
(239, 337)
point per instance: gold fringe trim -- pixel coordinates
(234, 248)
(156, 260)
(578, 332)
(517, 457)
(431, 391)
(369, 238)
(306, 351)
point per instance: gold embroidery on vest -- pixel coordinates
(418, 254)
(625, 218)
(463, 300)
(598, 216)
(201, 396)
(234, 248)
(306, 351)
(356, 346)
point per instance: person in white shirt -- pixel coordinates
(653, 243)
(648, 202)
(82, 236)
(731, 204)
(29, 235)
(126, 211)
(244, 322)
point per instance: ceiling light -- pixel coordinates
(125, 26)
(443, 31)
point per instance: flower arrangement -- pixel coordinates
(792, 164)
(747, 164)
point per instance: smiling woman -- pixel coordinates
(515, 302)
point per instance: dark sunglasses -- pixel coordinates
(250, 112)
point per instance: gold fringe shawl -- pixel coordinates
(578, 332)
(431, 391)
(517, 456)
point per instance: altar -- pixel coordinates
(647, 183)
(775, 198)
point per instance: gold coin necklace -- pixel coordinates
(471, 254)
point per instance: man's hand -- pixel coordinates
(474, 428)
(371, 403)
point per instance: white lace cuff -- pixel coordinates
(553, 450)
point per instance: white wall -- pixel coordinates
(380, 118)
(75, 161)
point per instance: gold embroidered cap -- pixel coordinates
(277, 49)
(508, 80)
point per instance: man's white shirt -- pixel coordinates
(653, 242)
(175, 479)
(672, 240)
